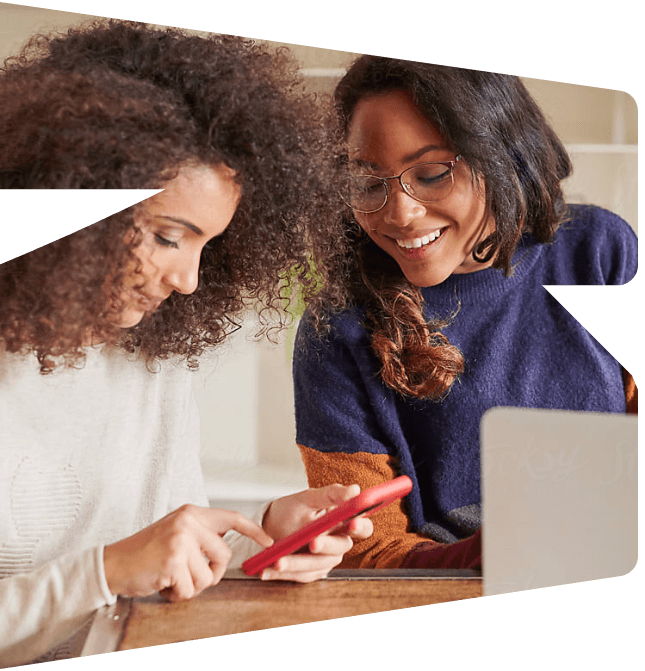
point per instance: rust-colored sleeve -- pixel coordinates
(631, 393)
(391, 541)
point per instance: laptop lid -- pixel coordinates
(559, 497)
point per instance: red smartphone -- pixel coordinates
(364, 504)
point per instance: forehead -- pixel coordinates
(389, 128)
(203, 196)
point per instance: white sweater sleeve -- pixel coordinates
(44, 607)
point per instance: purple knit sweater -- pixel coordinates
(521, 348)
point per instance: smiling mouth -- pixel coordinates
(417, 243)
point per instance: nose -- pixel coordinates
(401, 209)
(183, 275)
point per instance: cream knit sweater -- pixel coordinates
(87, 457)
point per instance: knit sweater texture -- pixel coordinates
(521, 348)
(88, 457)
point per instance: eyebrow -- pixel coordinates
(187, 224)
(422, 151)
(406, 159)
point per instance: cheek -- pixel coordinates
(468, 208)
(473, 202)
(143, 264)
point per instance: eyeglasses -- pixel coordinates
(426, 182)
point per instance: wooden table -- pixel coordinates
(240, 604)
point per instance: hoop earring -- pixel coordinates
(486, 249)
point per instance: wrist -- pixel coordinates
(267, 520)
(104, 587)
(110, 570)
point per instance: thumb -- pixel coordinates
(333, 495)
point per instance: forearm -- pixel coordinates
(44, 607)
(465, 553)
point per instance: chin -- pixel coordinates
(424, 279)
(129, 318)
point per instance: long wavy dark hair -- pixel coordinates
(494, 123)
(123, 105)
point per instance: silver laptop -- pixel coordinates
(559, 496)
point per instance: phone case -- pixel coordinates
(364, 504)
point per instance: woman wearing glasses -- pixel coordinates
(101, 492)
(457, 220)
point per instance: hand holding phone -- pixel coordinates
(364, 504)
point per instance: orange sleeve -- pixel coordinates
(631, 393)
(391, 541)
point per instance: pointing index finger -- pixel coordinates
(221, 521)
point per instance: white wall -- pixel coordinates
(18, 23)
(248, 430)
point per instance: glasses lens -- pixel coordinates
(428, 182)
(367, 193)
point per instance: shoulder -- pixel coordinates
(594, 246)
(340, 350)
(591, 218)
(116, 360)
(340, 328)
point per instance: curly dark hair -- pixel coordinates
(123, 105)
(497, 127)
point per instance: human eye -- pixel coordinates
(165, 242)
(366, 183)
(367, 193)
(430, 174)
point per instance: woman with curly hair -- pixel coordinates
(102, 493)
(457, 220)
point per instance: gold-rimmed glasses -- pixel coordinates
(425, 182)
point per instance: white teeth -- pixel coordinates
(415, 243)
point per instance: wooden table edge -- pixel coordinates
(108, 626)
